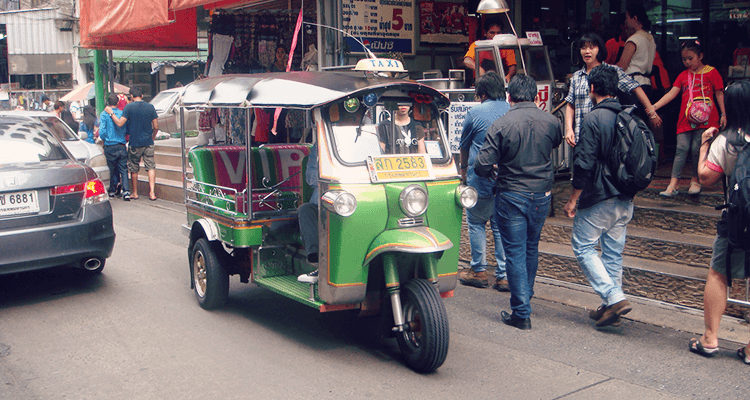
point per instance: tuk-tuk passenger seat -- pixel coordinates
(225, 166)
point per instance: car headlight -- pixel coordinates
(466, 196)
(339, 202)
(98, 161)
(414, 200)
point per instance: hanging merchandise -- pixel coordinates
(256, 37)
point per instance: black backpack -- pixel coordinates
(737, 214)
(632, 158)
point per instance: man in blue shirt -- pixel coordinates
(491, 92)
(142, 127)
(113, 137)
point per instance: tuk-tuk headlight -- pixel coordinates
(466, 196)
(339, 202)
(414, 200)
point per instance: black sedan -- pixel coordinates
(54, 210)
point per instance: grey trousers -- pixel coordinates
(689, 141)
(307, 214)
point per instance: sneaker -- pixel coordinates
(312, 277)
(613, 312)
(111, 193)
(476, 279)
(126, 196)
(501, 285)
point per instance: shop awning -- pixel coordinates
(177, 34)
(146, 56)
(207, 4)
(111, 17)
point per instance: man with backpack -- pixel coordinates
(604, 187)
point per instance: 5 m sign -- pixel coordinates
(382, 25)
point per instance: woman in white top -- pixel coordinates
(638, 56)
(718, 155)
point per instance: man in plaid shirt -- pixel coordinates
(593, 52)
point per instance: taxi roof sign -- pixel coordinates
(379, 65)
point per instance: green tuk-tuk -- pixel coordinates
(389, 224)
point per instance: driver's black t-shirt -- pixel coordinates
(407, 137)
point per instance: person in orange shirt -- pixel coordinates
(492, 27)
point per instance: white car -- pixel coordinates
(83, 151)
(168, 116)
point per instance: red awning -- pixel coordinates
(109, 17)
(177, 35)
(207, 4)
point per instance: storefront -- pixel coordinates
(38, 56)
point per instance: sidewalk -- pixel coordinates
(665, 315)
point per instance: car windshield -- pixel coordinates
(163, 101)
(26, 140)
(413, 129)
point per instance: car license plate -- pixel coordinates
(399, 168)
(19, 203)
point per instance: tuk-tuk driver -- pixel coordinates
(492, 27)
(409, 133)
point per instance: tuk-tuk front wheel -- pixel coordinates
(210, 278)
(424, 341)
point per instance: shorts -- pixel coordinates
(719, 256)
(134, 158)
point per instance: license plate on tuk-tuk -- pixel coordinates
(399, 168)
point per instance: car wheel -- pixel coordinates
(210, 278)
(424, 342)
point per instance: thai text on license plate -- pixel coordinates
(19, 203)
(399, 168)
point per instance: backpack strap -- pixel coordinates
(728, 263)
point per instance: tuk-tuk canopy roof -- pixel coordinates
(302, 90)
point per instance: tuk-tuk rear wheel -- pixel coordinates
(210, 278)
(424, 342)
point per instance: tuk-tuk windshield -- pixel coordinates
(391, 127)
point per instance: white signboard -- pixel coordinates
(382, 25)
(535, 38)
(456, 116)
(543, 98)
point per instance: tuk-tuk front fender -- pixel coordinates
(419, 239)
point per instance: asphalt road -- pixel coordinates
(136, 332)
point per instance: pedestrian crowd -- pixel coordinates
(505, 153)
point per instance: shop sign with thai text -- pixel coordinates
(382, 25)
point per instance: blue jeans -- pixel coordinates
(117, 161)
(604, 223)
(521, 218)
(476, 218)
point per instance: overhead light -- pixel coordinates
(492, 7)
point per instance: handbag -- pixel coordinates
(698, 109)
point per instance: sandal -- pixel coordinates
(697, 347)
(743, 356)
(669, 193)
(695, 188)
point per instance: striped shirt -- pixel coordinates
(578, 93)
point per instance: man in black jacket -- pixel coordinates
(520, 143)
(603, 211)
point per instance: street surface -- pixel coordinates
(136, 332)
